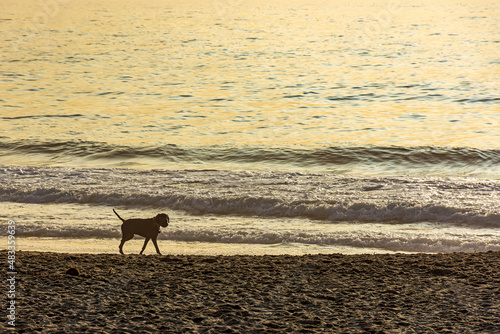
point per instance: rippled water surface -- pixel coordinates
(304, 125)
(306, 73)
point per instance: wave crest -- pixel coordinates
(358, 211)
(374, 160)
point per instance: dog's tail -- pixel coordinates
(118, 216)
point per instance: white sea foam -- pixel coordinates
(259, 208)
(264, 194)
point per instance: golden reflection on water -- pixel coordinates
(251, 73)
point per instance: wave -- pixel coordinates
(42, 116)
(358, 211)
(329, 198)
(372, 159)
(411, 242)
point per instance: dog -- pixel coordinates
(148, 228)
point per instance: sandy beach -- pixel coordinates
(393, 293)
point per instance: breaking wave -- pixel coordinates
(265, 194)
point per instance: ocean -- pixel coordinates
(261, 127)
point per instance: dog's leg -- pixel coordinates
(156, 246)
(125, 237)
(144, 246)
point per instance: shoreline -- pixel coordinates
(364, 293)
(170, 247)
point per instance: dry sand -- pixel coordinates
(393, 293)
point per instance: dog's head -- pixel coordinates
(162, 219)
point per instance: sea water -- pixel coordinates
(260, 127)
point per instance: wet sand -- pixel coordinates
(393, 293)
